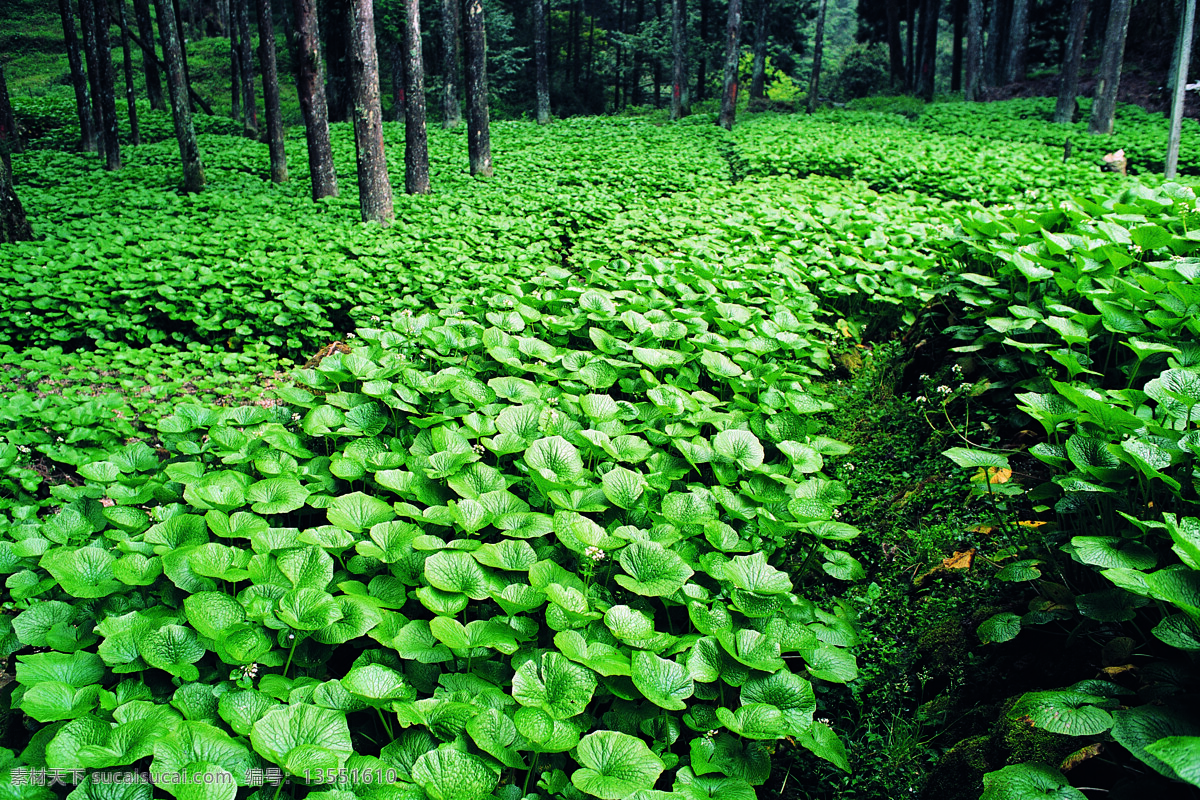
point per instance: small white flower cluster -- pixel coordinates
(374, 318)
(406, 313)
(23, 449)
(552, 401)
(957, 370)
(945, 390)
(250, 671)
(479, 449)
(850, 467)
(553, 416)
(295, 417)
(710, 735)
(825, 720)
(595, 554)
(922, 399)
(837, 513)
(1137, 248)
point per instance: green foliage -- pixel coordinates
(864, 71)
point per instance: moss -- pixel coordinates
(959, 773)
(1019, 742)
(943, 646)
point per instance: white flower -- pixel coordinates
(944, 389)
(406, 313)
(479, 449)
(552, 401)
(850, 467)
(710, 734)
(595, 554)
(295, 417)
(922, 399)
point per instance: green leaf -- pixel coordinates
(453, 571)
(1028, 782)
(753, 721)
(973, 459)
(615, 765)
(554, 684)
(300, 736)
(1000, 627)
(357, 512)
(821, 741)
(740, 447)
(623, 487)
(1064, 711)
(1181, 754)
(556, 460)
(276, 495)
(653, 571)
(1138, 728)
(665, 683)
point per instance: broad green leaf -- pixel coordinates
(615, 765)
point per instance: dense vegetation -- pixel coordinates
(669, 463)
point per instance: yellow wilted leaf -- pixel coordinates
(1113, 672)
(1032, 523)
(1081, 755)
(992, 475)
(961, 560)
(984, 529)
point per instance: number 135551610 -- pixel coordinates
(344, 775)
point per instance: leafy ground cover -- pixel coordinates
(656, 467)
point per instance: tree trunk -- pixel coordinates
(451, 109)
(79, 80)
(1181, 76)
(635, 80)
(374, 188)
(187, 72)
(1068, 88)
(658, 15)
(235, 70)
(14, 227)
(814, 80)
(130, 96)
(416, 146)
(997, 37)
(702, 66)
(895, 46)
(729, 89)
(246, 56)
(270, 77)
(181, 112)
(1018, 41)
(337, 59)
(1108, 76)
(956, 58)
(928, 68)
(679, 77)
(540, 62)
(910, 66)
(148, 51)
(141, 10)
(10, 138)
(758, 71)
(310, 87)
(974, 49)
(108, 88)
(479, 141)
(396, 58)
(619, 73)
(91, 56)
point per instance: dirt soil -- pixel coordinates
(1146, 88)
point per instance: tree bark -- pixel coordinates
(187, 72)
(997, 38)
(895, 46)
(451, 108)
(141, 10)
(619, 72)
(79, 80)
(246, 56)
(416, 145)
(108, 88)
(540, 61)
(928, 68)
(759, 68)
(1068, 88)
(310, 86)
(702, 65)
(658, 15)
(1018, 41)
(974, 63)
(910, 66)
(130, 95)
(91, 56)
(270, 77)
(956, 57)
(235, 69)
(10, 138)
(399, 103)
(679, 77)
(1108, 76)
(14, 226)
(729, 89)
(181, 111)
(162, 67)
(1181, 76)
(374, 188)
(339, 90)
(637, 56)
(479, 141)
(814, 80)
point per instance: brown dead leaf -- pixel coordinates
(1113, 672)
(1081, 755)
(1032, 523)
(961, 560)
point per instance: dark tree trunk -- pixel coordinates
(658, 15)
(451, 109)
(702, 67)
(79, 80)
(337, 59)
(14, 226)
(416, 147)
(108, 88)
(956, 62)
(1068, 88)
(270, 77)
(141, 10)
(997, 42)
(974, 49)
(148, 51)
(10, 137)
(1108, 76)
(758, 71)
(479, 137)
(130, 96)
(396, 53)
(729, 88)
(187, 72)
(235, 70)
(910, 66)
(618, 73)
(895, 46)
(541, 66)
(1186, 30)
(91, 55)
(1018, 41)
(814, 80)
(929, 21)
(246, 56)
(591, 44)
(310, 86)
(181, 112)
(679, 76)
(635, 81)
(573, 44)
(374, 188)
